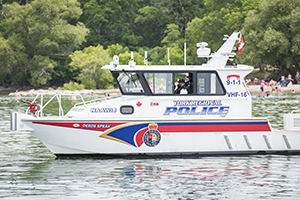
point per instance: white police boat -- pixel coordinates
(214, 118)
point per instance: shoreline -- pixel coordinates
(288, 89)
(33, 92)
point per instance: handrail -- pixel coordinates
(42, 106)
(40, 113)
(91, 101)
(295, 111)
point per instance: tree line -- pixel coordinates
(52, 42)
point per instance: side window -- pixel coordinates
(209, 83)
(160, 83)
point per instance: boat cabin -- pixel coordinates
(168, 92)
(215, 92)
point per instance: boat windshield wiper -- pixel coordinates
(130, 77)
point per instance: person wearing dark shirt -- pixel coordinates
(182, 88)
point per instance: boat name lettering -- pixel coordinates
(198, 103)
(214, 110)
(96, 125)
(77, 109)
(237, 94)
(103, 110)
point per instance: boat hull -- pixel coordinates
(145, 138)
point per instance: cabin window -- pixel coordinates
(160, 83)
(209, 83)
(129, 82)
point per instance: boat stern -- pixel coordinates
(292, 121)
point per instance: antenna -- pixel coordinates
(146, 59)
(185, 54)
(131, 62)
(169, 61)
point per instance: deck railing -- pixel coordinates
(39, 101)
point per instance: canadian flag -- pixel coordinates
(241, 44)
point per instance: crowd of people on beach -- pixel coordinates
(268, 85)
(275, 85)
(283, 81)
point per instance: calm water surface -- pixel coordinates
(28, 170)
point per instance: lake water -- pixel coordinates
(28, 170)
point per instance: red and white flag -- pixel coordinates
(241, 44)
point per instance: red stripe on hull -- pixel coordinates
(166, 128)
(86, 126)
(214, 128)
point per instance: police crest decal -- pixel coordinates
(152, 137)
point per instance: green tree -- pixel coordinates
(9, 58)
(40, 33)
(111, 22)
(272, 35)
(175, 56)
(175, 43)
(151, 22)
(173, 36)
(90, 61)
(116, 49)
(184, 11)
(20, 2)
(63, 72)
(157, 54)
(71, 86)
(124, 58)
(222, 17)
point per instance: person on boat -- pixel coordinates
(189, 84)
(182, 88)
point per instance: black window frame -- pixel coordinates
(148, 92)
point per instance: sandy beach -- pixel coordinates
(288, 89)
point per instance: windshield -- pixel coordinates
(129, 82)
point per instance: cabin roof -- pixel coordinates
(177, 68)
